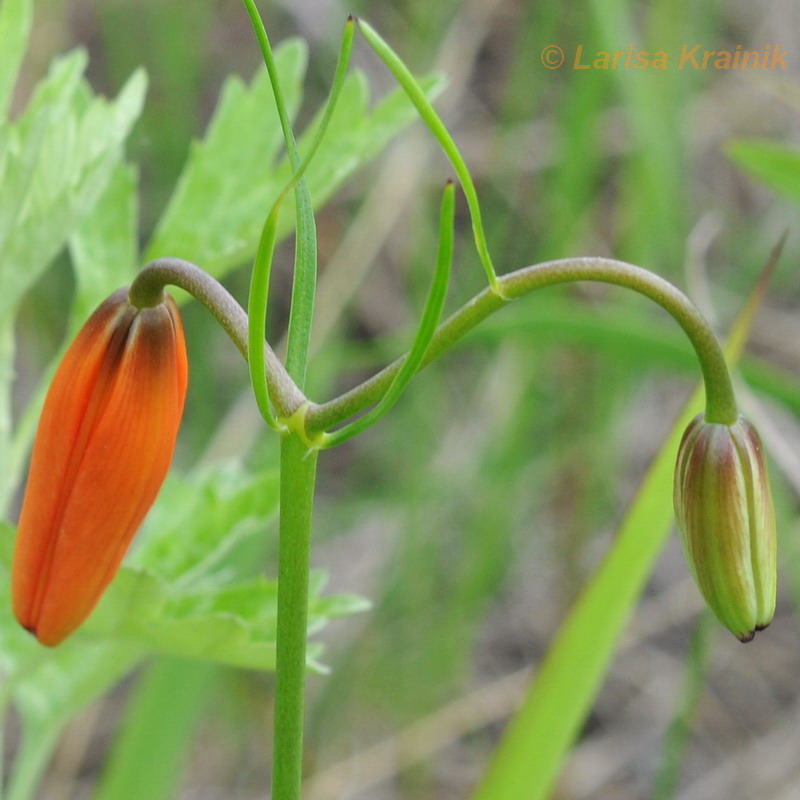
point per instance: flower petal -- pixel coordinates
(103, 449)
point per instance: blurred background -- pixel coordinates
(472, 515)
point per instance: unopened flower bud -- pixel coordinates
(723, 505)
(103, 448)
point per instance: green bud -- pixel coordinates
(723, 505)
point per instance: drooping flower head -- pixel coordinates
(723, 505)
(102, 450)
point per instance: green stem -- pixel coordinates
(720, 400)
(298, 473)
(147, 290)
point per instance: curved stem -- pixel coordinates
(720, 400)
(147, 290)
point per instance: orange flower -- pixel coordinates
(102, 451)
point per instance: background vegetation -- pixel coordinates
(474, 513)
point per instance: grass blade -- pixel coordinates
(171, 698)
(677, 736)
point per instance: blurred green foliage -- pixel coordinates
(471, 515)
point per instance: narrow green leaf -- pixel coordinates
(171, 698)
(676, 739)
(774, 164)
(427, 326)
(304, 277)
(30, 763)
(429, 116)
(257, 300)
(262, 266)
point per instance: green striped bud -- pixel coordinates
(723, 505)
